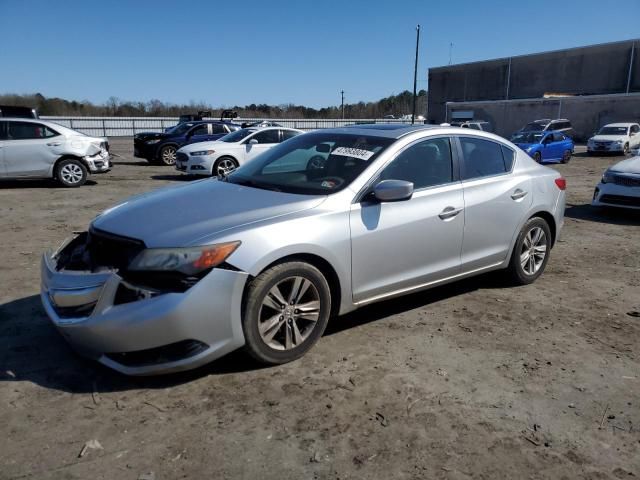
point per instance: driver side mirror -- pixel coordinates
(253, 141)
(393, 190)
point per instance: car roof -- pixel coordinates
(387, 130)
(620, 124)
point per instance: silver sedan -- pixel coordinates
(318, 226)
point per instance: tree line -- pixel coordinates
(396, 105)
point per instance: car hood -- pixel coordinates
(194, 147)
(608, 138)
(187, 215)
(149, 135)
(630, 165)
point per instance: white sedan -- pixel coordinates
(620, 186)
(615, 137)
(226, 154)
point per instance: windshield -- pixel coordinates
(180, 128)
(237, 135)
(527, 137)
(534, 126)
(613, 131)
(311, 164)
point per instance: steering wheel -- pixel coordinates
(317, 162)
(330, 182)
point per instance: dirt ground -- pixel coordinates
(474, 380)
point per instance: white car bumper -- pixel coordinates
(618, 195)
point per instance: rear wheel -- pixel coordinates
(531, 252)
(71, 173)
(285, 313)
(537, 157)
(224, 166)
(566, 156)
(167, 155)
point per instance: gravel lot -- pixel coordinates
(473, 380)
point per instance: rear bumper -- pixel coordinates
(85, 309)
(100, 163)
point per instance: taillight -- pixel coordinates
(561, 183)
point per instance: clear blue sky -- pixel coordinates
(275, 51)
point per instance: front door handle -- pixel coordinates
(449, 212)
(518, 194)
(54, 144)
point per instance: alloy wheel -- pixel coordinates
(534, 250)
(71, 173)
(289, 313)
(169, 155)
(225, 167)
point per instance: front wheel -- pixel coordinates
(531, 252)
(626, 149)
(537, 157)
(71, 173)
(167, 155)
(286, 310)
(224, 166)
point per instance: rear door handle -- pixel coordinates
(449, 212)
(518, 194)
(54, 144)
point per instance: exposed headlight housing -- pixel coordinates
(189, 261)
(202, 153)
(152, 141)
(617, 142)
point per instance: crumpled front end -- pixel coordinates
(142, 324)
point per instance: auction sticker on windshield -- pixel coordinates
(353, 152)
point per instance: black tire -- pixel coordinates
(221, 162)
(625, 149)
(71, 173)
(519, 275)
(537, 157)
(566, 156)
(289, 324)
(167, 155)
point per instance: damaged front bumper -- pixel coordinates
(139, 331)
(98, 163)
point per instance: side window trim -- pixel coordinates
(500, 144)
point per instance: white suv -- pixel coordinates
(615, 137)
(39, 149)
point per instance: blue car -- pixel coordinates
(553, 147)
(162, 147)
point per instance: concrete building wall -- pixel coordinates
(587, 114)
(592, 70)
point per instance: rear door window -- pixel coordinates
(267, 136)
(29, 131)
(3, 130)
(287, 134)
(482, 158)
(217, 128)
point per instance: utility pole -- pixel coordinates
(342, 104)
(450, 51)
(415, 76)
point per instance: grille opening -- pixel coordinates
(621, 200)
(165, 354)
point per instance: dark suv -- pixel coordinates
(162, 147)
(17, 112)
